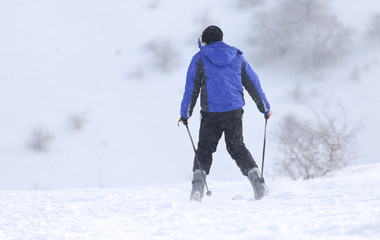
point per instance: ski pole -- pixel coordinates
(265, 139)
(208, 193)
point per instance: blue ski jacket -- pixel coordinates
(219, 72)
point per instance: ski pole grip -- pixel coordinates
(183, 121)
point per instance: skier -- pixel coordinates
(219, 72)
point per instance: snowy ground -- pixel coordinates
(346, 206)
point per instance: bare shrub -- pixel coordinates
(162, 53)
(311, 149)
(40, 139)
(78, 120)
(301, 34)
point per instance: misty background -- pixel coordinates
(90, 91)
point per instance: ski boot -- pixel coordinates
(258, 183)
(198, 185)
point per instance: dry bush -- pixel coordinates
(311, 149)
(40, 139)
(163, 55)
(301, 34)
(78, 120)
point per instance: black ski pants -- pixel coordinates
(213, 125)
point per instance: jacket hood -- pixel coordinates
(219, 53)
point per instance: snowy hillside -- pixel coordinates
(104, 65)
(89, 144)
(344, 207)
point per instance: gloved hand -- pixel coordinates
(182, 120)
(267, 116)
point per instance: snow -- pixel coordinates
(127, 173)
(345, 206)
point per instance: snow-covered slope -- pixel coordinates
(126, 173)
(346, 206)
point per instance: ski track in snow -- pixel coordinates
(341, 207)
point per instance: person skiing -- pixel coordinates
(219, 72)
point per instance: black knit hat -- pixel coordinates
(212, 34)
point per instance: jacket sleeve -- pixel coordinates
(194, 78)
(251, 83)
